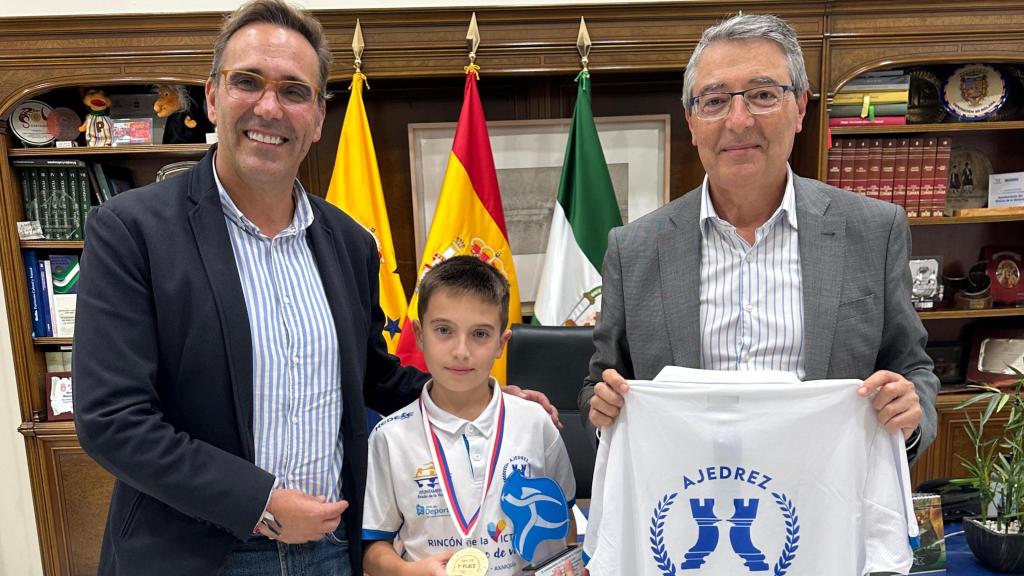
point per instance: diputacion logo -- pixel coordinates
(706, 509)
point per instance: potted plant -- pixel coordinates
(997, 471)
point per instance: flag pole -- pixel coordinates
(357, 51)
(583, 44)
(472, 43)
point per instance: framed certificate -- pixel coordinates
(58, 396)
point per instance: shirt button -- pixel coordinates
(749, 307)
(295, 359)
(476, 457)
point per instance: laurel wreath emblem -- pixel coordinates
(786, 557)
(661, 557)
(792, 533)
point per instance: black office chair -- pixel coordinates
(554, 360)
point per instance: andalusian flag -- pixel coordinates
(469, 218)
(355, 188)
(585, 210)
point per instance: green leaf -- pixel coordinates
(971, 400)
(990, 409)
(1002, 402)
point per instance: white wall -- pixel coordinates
(68, 7)
(19, 542)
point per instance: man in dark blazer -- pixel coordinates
(669, 296)
(164, 349)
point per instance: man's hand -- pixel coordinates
(539, 398)
(609, 397)
(896, 402)
(431, 566)
(301, 517)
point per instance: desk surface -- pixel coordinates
(959, 559)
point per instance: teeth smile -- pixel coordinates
(264, 138)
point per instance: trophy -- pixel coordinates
(926, 287)
(538, 511)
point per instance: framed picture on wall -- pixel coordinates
(948, 358)
(528, 156)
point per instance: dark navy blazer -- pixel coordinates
(163, 372)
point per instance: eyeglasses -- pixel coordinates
(760, 100)
(250, 87)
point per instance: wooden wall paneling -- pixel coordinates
(76, 492)
(929, 17)
(516, 41)
(876, 34)
(941, 461)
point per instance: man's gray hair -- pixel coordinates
(750, 27)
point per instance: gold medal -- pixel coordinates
(467, 562)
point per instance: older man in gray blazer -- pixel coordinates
(759, 268)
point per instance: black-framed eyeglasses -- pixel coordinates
(250, 87)
(759, 100)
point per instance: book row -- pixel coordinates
(52, 292)
(910, 172)
(58, 193)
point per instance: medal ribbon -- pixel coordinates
(464, 526)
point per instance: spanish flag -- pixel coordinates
(355, 188)
(469, 218)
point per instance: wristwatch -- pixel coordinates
(270, 523)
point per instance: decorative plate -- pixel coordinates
(974, 92)
(63, 124)
(28, 122)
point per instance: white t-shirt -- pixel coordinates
(404, 498)
(782, 476)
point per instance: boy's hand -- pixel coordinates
(566, 570)
(539, 398)
(432, 566)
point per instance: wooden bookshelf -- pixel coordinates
(52, 341)
(53, 244)
(968, 314)
(164, 150)
(979, 219)
(950, 127)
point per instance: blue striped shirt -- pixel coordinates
(296, 387)
(751, 304)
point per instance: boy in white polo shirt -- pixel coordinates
(437, 467)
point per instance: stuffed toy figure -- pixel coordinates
(174, 103)
(97, 126)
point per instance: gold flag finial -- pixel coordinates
(583, 43)
(357, 46)
(473, 39)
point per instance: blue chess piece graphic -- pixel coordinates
(744, 514)
(707, 533)
(739, 535)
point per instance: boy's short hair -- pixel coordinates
(466, 275)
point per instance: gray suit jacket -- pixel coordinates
(856, 291)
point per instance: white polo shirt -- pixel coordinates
(405, 502)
